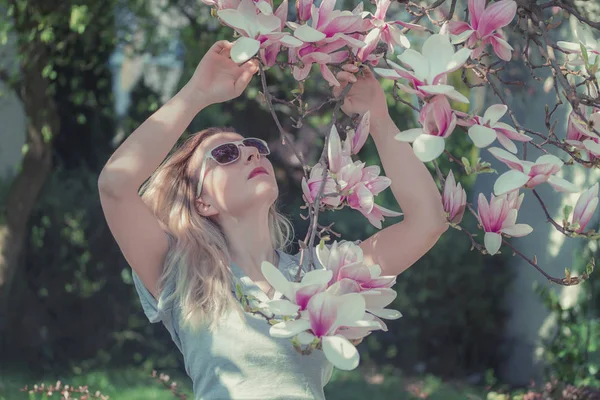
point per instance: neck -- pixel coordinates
(249, 240)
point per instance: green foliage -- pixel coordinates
(572, 353)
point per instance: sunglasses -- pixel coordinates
(227, 153)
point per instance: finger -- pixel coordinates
(245, 77)
(337, 90)
(345, 76)
(221, 45)
(251, 65)
(367, 73)
(350, 68)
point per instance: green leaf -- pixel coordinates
(79, 18)
(590, 266)
(584, 53)
(567, 212)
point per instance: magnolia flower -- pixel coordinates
(454, 198)
(429, 69)
(577, 58)
(483, 131)
(257, 30)
(336, 157)
(355, 140)
(362, 195)
(499, 217)
(485, 27)
(585, 207)
(359, 186)
(350, 275)
(297, 294)
(321, 320)
(438, 121)
(329, 25)
(311, 188)
(528, 174)
(303, 8)
(268, 53)
(329, 30)
(389, 32)
(580, 136)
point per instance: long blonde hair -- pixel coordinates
(198, 260)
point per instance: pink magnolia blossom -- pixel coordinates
(269, 52)
(580, 136)
(360, 185)
(454, 198)
(258, 30)
(429, 68)
(345, 260)
(356, 139)
(389, 32)
(484, 130)
(585, 207)
(350, 275)
(336, 156)
(499, 217)
(485, 27)
(529, 174)
(297, 293)
(329, 30)
(304, 57)
(438, 121)
(324, 315)
(310, 188)
(303, 8)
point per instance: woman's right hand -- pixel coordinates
(218, 78)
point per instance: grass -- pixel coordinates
(135, 384)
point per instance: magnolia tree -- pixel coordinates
(331, 308)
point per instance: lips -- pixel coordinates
(256, 171)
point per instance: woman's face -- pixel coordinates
(228, 188)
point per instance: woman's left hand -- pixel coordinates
(366, 92)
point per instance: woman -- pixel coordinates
(207, 217)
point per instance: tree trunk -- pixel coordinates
(36, 165)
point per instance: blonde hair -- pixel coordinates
(198, 260)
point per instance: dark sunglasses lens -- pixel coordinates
(226, 153)
(261, 146)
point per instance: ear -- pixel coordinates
(204, 208)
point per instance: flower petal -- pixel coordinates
(234, 19)
(492, 242)
(277, 280)
(387, 73)
(288, 329)
(409, 135)
(340, 352)
(385, 313)
(494, 113)
(497, 15)
(517, 230)
(305, 338)
(562, 185)
(482, 136)
(244, 49)
(509, 181)
(308, 34)
(282, 307)
(445, 90)
(501, 47)
(428, 148)
(334, 150)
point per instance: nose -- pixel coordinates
(249, 152)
